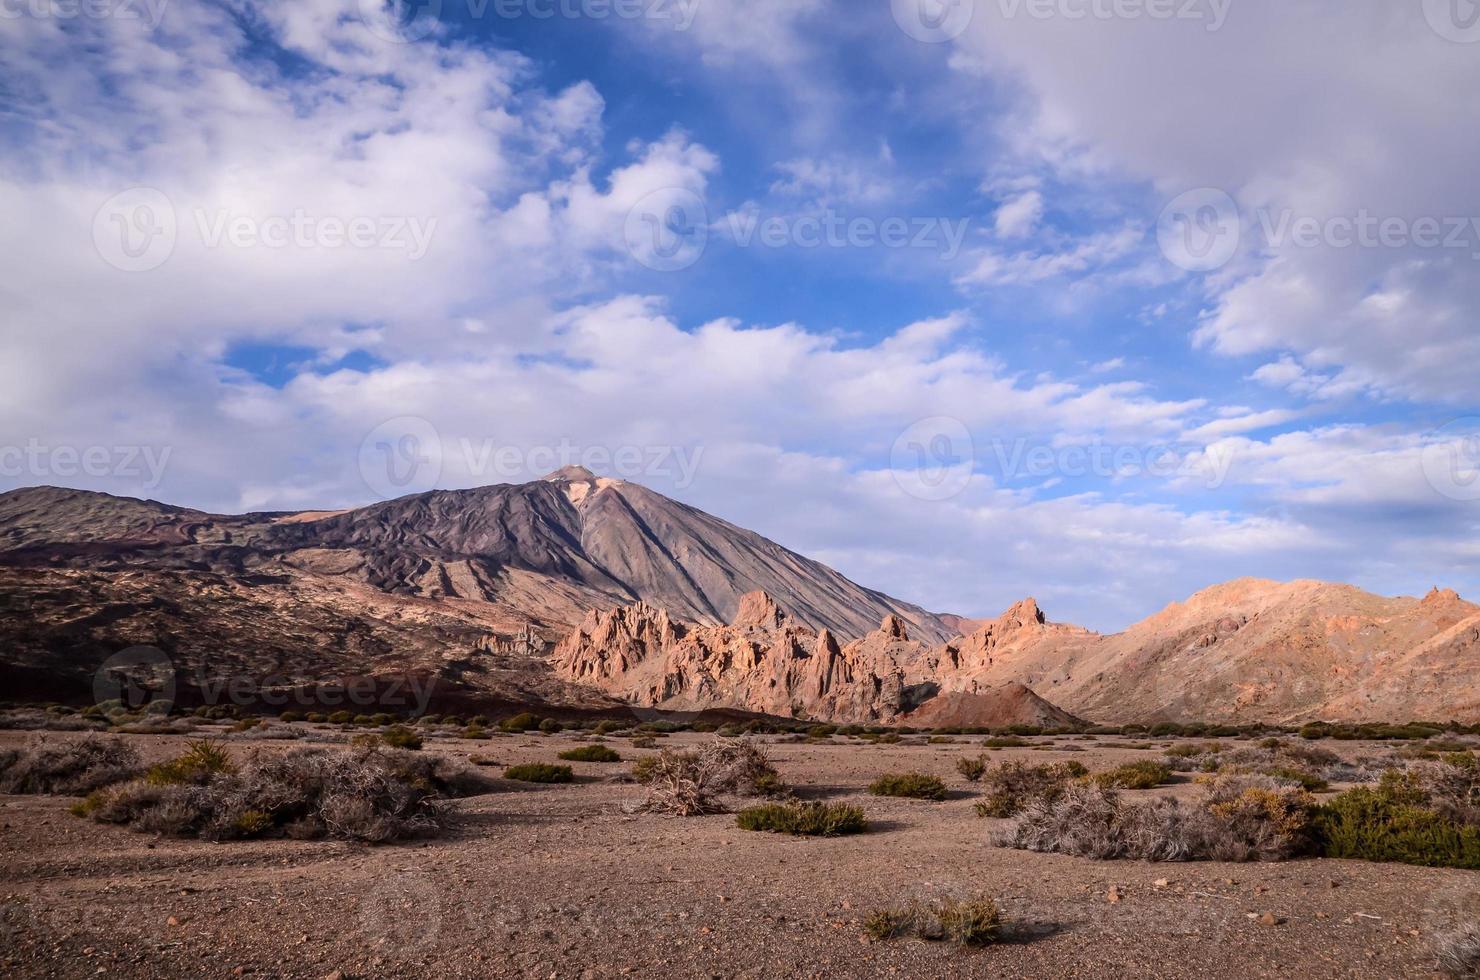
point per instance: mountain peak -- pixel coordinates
(570, 474)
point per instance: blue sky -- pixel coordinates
(1126, 338)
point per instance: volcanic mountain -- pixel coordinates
(445, 582)
(655, 603)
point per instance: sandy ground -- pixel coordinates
(558, 881)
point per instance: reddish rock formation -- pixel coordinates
(766, 662)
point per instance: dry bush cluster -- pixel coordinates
(693, 783)
(1239, 818)
(1458, 951)
(909, 785)
(72, 767)
(1009, 787)
(974, 921)
(371, 795)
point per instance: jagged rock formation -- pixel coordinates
(765, 661)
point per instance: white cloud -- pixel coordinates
(1019, 216)
(1346, 114)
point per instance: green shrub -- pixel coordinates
(341, 718)
(1143, 774)
(607, 726)
(290, 716)
(974, 921)
(972, 768)
(803, 819)
(1382, 825)
(539, 772)
(317, 717)
(401, 737)
(550, 726)
(365, 720)
(911, 785)
(590, 753)
(522, 722)
(1005, 742)
(644, 768)
(475, 733)
(202, 760)
(381, 718)
(822, 731)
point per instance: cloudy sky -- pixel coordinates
(1101, 301)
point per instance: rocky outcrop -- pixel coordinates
(764, 661)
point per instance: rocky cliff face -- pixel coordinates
(767, 662)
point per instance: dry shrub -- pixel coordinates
(1239, 819)
(1010, 786)
(909, 785)
(71, 767)
(974, 921)
(1459, 951)
(691, 783)
(1144, 774)
(972, 768)
(371, 795)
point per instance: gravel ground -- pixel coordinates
(559, 881)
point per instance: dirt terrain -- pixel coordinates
(560, 881)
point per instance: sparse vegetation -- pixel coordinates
(1143, 774)
(539, 772)
(974, 921)
(401, 737)
(691, 783)
(971, 768)
(590, 753)
(804, 819)
(70, 767)
(1010, 786)
(1005, 742)
(910, 785)
(1426, 815)
(1240, 818)
(1458, 951)
(372, 795)
(522, 722)
(201, 760)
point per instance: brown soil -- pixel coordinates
(559, 881)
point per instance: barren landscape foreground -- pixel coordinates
(571, 880)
